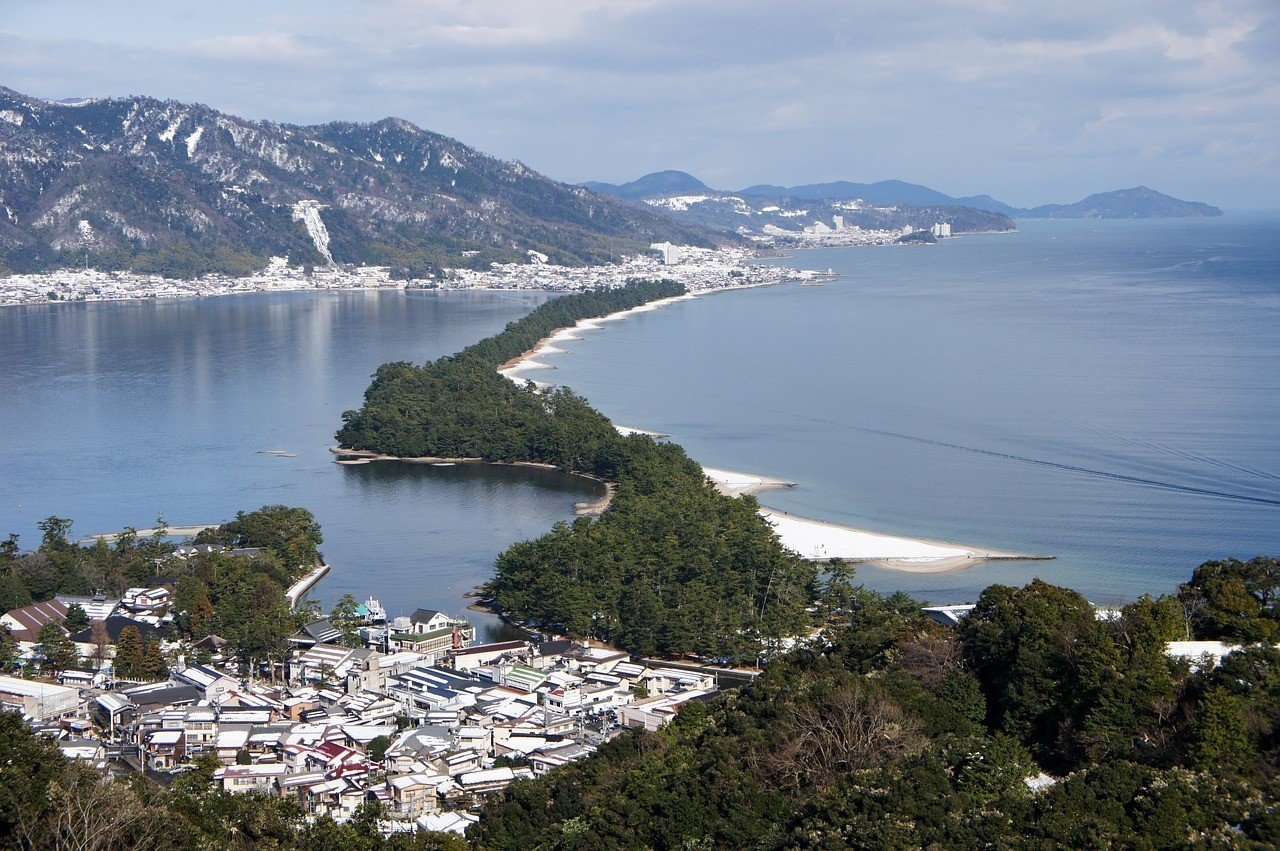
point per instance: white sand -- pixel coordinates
(812, 539)
(627, 431)
(529, 360)
(817, 540)
(736, 484)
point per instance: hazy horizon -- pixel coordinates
(1029, 105)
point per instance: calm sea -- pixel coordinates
(114, 413)
(1108, 393)
(1105, 392)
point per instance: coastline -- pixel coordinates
(820, 540)
(586, 508)
(816, 540)
(546, 346)
(173, 531)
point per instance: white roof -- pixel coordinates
(233, 738)
(34, 688)
(165, 737)
(447, 822)
(489, 775)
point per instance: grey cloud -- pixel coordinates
(1028, 101)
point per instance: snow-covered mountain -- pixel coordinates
(181, 188)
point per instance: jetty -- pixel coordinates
(305, 584)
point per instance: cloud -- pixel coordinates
(1027, 101)
(260, 47)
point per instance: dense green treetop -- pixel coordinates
(894, 732)
(673, 567)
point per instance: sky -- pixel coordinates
(1029, 101)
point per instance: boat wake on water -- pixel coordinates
(1257, 499)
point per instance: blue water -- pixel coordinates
(1108, 393)
(115, 413)
(1104, 392)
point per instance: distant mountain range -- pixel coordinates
(771, 211)
(1137, 203)
(182, 189)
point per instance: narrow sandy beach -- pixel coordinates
(514, 368)
(812, 539)
(818, 540)
(172, 531)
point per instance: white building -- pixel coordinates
(36, 700)
(669, 253)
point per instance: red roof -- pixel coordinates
(35, 615)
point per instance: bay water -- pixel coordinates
(1104, 392)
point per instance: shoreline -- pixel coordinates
(816, 540)
(300, 588)
(585, 508)
(169, 531)
(546, 346)
(821, 540)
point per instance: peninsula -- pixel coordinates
(812, 539)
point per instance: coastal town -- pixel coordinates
(698, 269)
(404, 712)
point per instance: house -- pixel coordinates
(316, 632)
(146, 599)
(164, 749)
(428, 620)
(90, 751)
(653, 713)
(250, 778)
(212, 644)
(948, 615)
(414, 795)
(210, 681)
(469, 658)
(152, 696)
(555, 755)
(477, 784)
(335, 664)
(663, 680)
(36, 700)
(97, 607)
(448, 822)
(24, 623)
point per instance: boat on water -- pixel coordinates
(373, 611)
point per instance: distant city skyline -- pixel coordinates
(1029, 102)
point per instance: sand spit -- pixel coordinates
(547, 345)
(820, 541)
(170, 531)
(627, 431)
(738, 484)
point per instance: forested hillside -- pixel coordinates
(672, 567)
(894, 732)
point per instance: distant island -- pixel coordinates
(1139, 202)
(1136, 203)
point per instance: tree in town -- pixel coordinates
(76, 618)
(56, 649)
(128, 657)
(378, 747)
(345, 615)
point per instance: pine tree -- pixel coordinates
(76, 618)
(151, 663)
(128, 652)
(56, 649)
